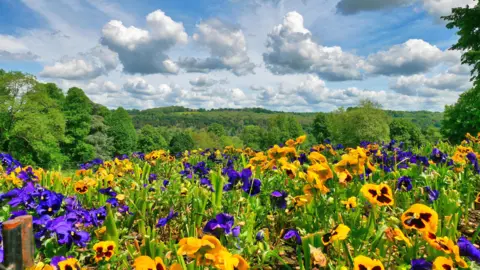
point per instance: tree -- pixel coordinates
(463, 116)
(31, 123)
(320, 127)
(217, 129)
(364, 123)
(465, 19)
(405, 131)
(150, 139)
(122, 131)
(252, 136)
(78, 109)
(180, 142)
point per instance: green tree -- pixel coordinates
(31, 122)
(364, 123)
(320, 127)
(465, 19)
(78, 109)
(463, 116)
(217, 129)
(150, 139)
(99, 139)
(252, 136)
(122, 131)
(405, 131)
(180, 142)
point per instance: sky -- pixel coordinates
(288, 55)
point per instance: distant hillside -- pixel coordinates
(235, 119)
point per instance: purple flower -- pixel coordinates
(108, 191)
(404, 182)
(56, 259)
(293, 233)
(67, 235)
(163, 221)
(236, 231)
(260, 235)
(421, 264)
(468, 249)
(152, 177)
(433, 194)
(17, 213)
(50, 203)
(302, 158)
(221, 224)
(98, 216)
(252, 187)
(279, 199)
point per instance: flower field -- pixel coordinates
(375, 206)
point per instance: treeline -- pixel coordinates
(42, 125)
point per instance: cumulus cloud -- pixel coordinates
(97, 61)
(290, 49)
(444, 7)
(227, 47)
(144, 50)
(100, 88)
(348, 7)
(422, 85)
(203, 81)
(13, 49)
(413, 56)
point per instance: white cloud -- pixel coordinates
(96, 62)
(144, 51)
(422, 85)
(227, 47)
(12, 48)
(290, 49)
(444, 7)
(413, 56)
(203, 81)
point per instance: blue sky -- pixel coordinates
(292, 55)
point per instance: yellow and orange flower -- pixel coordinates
(420, 217)
(378, 194)
(104, 250)
(365, 263)
(340, 232)
(350, 203)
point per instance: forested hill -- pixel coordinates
(235, 119)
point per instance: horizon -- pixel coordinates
(282, 56)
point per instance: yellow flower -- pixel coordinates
(338, 233)
(398, 235)
(316, 157)
(350, 203)
(144, 263)
(420, 217)
(81, 187)
(442, 263)
(300, 139)
(104, 250)
(378, 194)
(191, 245)
(176, 266)
(41, 266)
(290, 143)
(242, 263)
(322, 170)
(365, 263)
(301, 200)
(69, 264)
(477, 200)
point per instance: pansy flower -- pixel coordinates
(292, 233)
(378, 194)
(279, 199)
(163, 221)
(104, 250)
(432, 194)
(365, 263)
(69, 264)
(340, 232)
(404, 183)
(252, 187)
(443, 263)
(147, 263)
(221, 224)
(420, 264)
(420, 217)
(81, 187)
(351, 203)
(477, 199)
(468, 249)
(397, 234)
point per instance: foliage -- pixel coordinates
(366, 123)
(78, 110)
(122, 131)
(150, 139)
(465, 19)
(216, 129)
(181, 142)
(320, 127)
(404, 131)
(463, 116)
